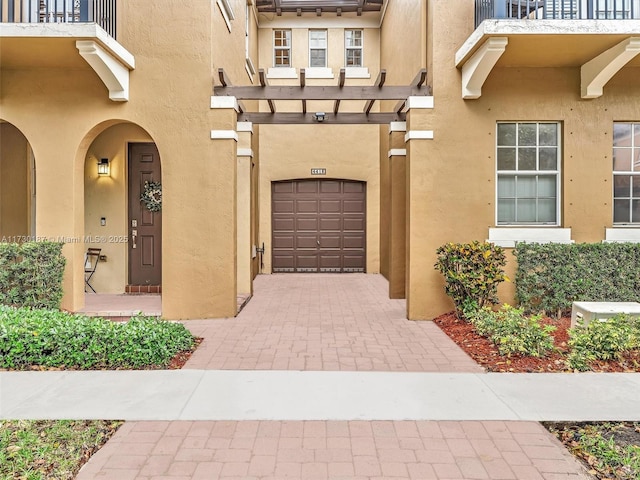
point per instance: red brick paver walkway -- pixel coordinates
(332, 450)
(325, 322)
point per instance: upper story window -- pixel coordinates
(528, 158)
(353, 48)
(626, 173)
(282, 48)
(318, 48)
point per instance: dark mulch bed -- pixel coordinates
(486, 353)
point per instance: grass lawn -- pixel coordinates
(47, 449)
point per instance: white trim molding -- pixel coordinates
(476, 70)
(357, 72)
(622, 235)
(282, 72)
(224, 135)
(245, 152)
(318, 72)
(113, 74)
(225, 102)
(397, 127)
(418, 135)
(398, 152)
(595, 74)
(414, 102)
(244, 127)
(507, 237)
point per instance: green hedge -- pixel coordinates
(50, 338)
(550, 277)
(31, 274)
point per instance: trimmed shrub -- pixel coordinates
(31, 274)
(49, 338)
(513, 332)
(472, 272)
(606, 339)
(552, 276)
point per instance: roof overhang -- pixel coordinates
(67, 45)
(600, 48)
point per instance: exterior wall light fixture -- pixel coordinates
(319, 117)
(103, 167)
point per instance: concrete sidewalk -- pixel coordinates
(295, 395)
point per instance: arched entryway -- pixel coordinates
(17, 185)
(122, 166)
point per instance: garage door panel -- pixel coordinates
(307, 206)
(330, 242)
(306, 242)
(318, 226)
(330, 224)
(283, 206)
(353, 187)
(283, 224)
(307, 224)
(353, 224)
(330, 206)
(283, 241)
(353, 206)
(283, 187)
(350, 242)
(306, 187)
(330, 186)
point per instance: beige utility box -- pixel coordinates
(589, 311)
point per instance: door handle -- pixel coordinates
(318, 242)
(134, 235)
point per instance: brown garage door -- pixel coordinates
(318, 226)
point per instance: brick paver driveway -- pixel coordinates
(325, 322)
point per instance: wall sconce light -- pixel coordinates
(103, 167)
(319, 117)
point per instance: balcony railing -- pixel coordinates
(558, 9)
(102, 12)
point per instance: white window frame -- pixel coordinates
(633, 173)
(325, 48)
(227, 12)
(281, 48)
(248, 64)
(557, 172)
(350, 47)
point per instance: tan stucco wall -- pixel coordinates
(14, 184)
(454, 192)
(107, 197)
(290, 152)
(57, 110)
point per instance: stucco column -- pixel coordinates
(397, 205)
(60, 208)
(420, 167)
(245, 157)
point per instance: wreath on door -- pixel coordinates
(151, 196)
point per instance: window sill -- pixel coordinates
(507, 237)
(357, 72)
(318, 72)
(622, 234)
(282, 72)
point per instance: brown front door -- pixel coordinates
(145, 227)
(318, 226)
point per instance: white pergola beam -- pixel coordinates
(476, 70)
(112, 73)
(595, 74)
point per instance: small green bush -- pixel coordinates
(30, 337)
(513, 332)
(603, 340)
(550, 277)
(31, 274)
(472, 272)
